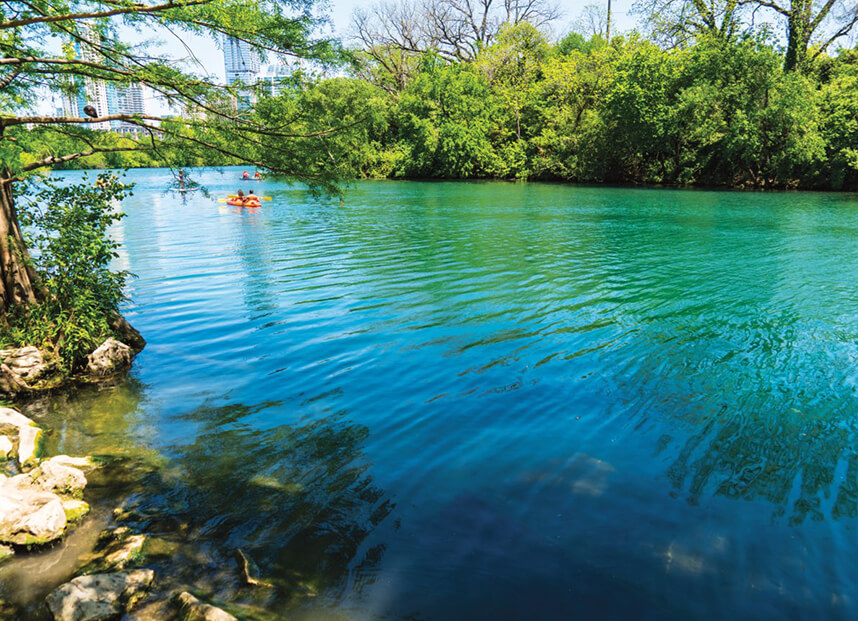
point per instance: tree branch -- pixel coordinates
(46, 19)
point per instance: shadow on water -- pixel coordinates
(296, 499)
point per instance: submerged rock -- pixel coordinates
(29, 516)
(28, 433)
(84, 463)
(100, 596)
(192, 609)
(111, 357)
(120, 553)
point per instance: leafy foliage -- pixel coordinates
(66, 227)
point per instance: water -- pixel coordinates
(486, 400)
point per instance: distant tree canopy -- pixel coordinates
(704, 98)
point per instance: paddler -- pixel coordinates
(245, 176)
(252, 200)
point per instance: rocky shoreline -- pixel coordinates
(42, 501)
(25, 371)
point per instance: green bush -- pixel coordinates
(66, 228)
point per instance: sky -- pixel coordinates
(340, 13)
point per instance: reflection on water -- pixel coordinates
(456, 401)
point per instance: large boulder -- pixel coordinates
(100, 596)
(192, 609)
(21, 368)
(27, 433)
(53, 476)
(29, 516)
(126, 332)
(28, 363)
(110, 358)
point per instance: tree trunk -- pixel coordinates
(18, 280)
(798, 34)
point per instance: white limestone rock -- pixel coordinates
(28, 363)
(192, 609)
(7, 449)
(29, 434)
(29, 516)
(111, 357)
(52, 476)
(99, 597)
(75, 509)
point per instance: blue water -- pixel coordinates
(486, 400)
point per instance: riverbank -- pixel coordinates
(92, 561)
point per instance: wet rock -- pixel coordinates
(192, 609)
(7, 449)
(28, 516)
(28, 433)
(126, 332)
(117, 549)
(53, 476)
(27, 363)
(6, 553)
(110, 358)
(120, 554)
(100, 596)
(159, 547)
(75, 509)
(81, 463)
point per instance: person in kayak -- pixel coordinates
(245, 176)
(257, 176)
(181, 179)
(252, 200)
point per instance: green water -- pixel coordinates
(461, 401)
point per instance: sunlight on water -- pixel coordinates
(460, 401)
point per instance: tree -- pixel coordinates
(829, 20)
(453, 29)
(592, 21)
(66, 47)
(513, 65)
(674, 23)
(393, 39)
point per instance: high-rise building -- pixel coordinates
(241, 65)
(130, 99)
(107, 98)
(275, 77)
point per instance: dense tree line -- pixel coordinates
(720, 111)
(702, 98)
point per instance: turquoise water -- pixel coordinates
(486, 400)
